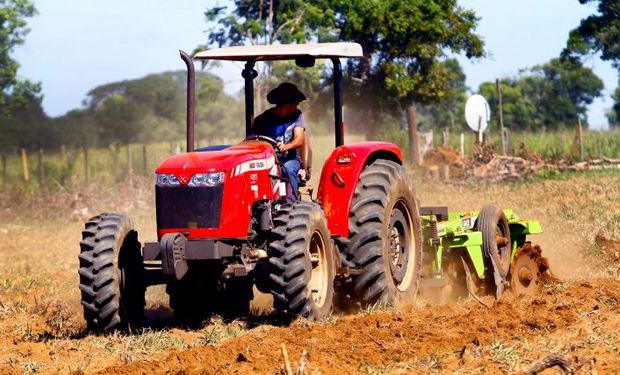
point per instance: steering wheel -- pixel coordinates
(265, 138)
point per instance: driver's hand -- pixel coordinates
(282, 147)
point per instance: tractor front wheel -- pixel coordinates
(111, 274)
(301, 256)
(385, 240)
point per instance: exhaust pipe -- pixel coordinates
(191, 98)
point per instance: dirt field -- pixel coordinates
(41, 328)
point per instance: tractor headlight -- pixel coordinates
(206, 179)
(167, 180)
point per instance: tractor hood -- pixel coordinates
(185, 165)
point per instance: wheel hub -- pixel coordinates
(525, 275)
(318, 282)
(398, 245)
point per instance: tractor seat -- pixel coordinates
(305, 154)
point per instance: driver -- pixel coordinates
(285, 124)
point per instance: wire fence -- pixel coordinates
(41, 171)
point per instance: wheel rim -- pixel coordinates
(319, 275)
(502, 244)
(400, 246)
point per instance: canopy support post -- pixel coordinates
(338, 124)
(249, 73)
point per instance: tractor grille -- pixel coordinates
(188, 207)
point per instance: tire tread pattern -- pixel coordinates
(367, 219)
(290, 269)
(102, 239)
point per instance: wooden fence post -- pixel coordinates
(506, 141)
(462, 145)
(498, 91)
(445, 138)
(414, 140)
(63, 151)
(85, 149)
(129, 166)
(580, 139)
(25, 164)
(41, 170)
(4, 171)
(144, 161)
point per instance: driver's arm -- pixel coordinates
(298, 140)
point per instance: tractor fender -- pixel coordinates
(339, 177)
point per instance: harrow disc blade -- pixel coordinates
(527, 268)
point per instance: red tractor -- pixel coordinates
(223, 226)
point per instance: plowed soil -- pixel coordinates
(576, 317)
(462, 337)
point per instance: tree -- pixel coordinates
(447, 112)
(26, 126)
(613, 115)
(404, 41)
(152, 108)
(547, 96)
(268, 22)
(14, 93)
(599, 32)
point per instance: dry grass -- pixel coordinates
(41, 318)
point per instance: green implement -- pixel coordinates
(487, 251)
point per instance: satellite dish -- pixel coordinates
(477, 113)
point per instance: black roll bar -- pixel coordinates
(249, 73)
(191, 99)
(338, 124)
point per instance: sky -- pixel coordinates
(76, 45)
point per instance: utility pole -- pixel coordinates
(498, 92)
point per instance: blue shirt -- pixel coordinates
(281, 129)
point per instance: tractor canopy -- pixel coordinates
(282, 52)
(304, 56)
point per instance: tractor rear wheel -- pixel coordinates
(496, 244)
(301, 255)
(111, 274)
(385, 239)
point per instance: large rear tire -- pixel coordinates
(496, 245)
(301, 255)
(111, 274)
(385, 238)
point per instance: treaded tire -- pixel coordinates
(384, 214)
(492, 223)
(111, 274)
(301, 255)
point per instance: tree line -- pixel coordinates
(408, 46)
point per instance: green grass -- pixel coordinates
(554, 145)
(70, 170)
(65, 170)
